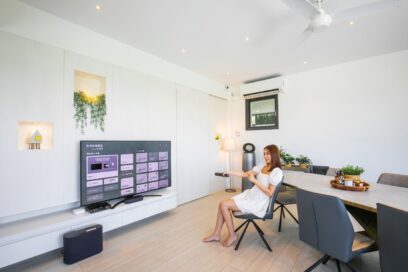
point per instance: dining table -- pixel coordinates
(362, 205)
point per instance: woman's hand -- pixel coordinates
(252, 178)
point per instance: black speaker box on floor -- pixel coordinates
(83, 243)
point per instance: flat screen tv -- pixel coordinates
(118, 169)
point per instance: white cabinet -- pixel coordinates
(31, 237)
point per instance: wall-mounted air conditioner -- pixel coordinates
(263, 88)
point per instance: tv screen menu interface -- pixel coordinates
(114, 169)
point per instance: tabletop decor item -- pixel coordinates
(351, 172)
(359, 186)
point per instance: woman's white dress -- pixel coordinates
(254, 200)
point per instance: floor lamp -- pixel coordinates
(229, 145)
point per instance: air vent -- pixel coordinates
(261, 94)
(273, 85)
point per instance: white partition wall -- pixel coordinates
(218, 124)
(193, 139)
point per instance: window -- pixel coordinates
(262, 113)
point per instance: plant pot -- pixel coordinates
(288, 165)
(304, 165)
(353, 177)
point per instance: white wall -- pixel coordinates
(39, 53)
(218, 123)
(37, 84)
(352, 113)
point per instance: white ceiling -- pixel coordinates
(213, 33)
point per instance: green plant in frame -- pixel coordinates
(95, 104)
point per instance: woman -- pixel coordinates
(254, 200)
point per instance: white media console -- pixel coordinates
(28, 238)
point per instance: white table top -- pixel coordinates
(393, 196)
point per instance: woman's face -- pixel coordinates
(267, 156)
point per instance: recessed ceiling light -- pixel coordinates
(351, 23)
(304, 62)
(98, 7)
(246, 38)
(183, 50)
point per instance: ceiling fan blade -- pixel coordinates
(303, 7)
(303, 37)
(376, 7)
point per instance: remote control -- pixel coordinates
(219, 174)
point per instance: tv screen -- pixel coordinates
(115, 169)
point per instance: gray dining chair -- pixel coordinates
(288, 197)
(284, 198)
(319, 169)
(392, 238)
(393, 179)
(332, 171)
(249, 218)
(335, 234)
(307, 218)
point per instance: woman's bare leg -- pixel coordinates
(215, 236)
(226, 207)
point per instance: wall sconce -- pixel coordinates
(35, 141)
(217, 137)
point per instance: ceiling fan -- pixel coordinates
(320, 20)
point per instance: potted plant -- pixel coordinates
(352, 172)
(286, 159)
(303, 161)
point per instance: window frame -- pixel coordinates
(248, 113)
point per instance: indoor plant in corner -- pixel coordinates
(352, 172)
(303, 161)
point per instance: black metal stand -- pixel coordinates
(258, 229)
(324, 260)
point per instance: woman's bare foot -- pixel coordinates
(212, 238)
(229, 240)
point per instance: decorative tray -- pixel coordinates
(336, 185)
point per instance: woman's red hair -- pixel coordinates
(275, 157)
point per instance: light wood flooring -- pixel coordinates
(172, 242)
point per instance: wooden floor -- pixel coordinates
(172, 242)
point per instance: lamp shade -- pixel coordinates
(228, 144)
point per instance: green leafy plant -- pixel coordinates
(303, 160)
(287, 158)
(352, 170)
(96, 106)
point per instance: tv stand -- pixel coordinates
(98, 207)
(30, 237)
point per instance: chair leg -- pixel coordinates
(242, 235)
(294, 218)
(350, 267)
(276, 208)
(313, 266)
(240, 226)
(283, 211)
(256, 226)
(262, 236)
(280, 220)
(338, 265)
(326, 260)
